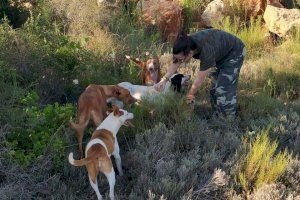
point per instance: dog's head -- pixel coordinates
(150, 73)
(123, 116)
(123, 94)
(179, 80)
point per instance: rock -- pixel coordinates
(165, 14)
(254, 8)
(214, 12)
(281, 20)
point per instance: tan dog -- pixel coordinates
(92, 106)
(150, 73)
(102, 145)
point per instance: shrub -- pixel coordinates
(40, 131)
(10, 95)
(291, 177)
(172, 161)
(169, 109)
(276, 72)
(258, 104)
(270, 191)
(261, 165)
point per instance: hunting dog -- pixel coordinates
(92, 105)
(150, 73)
(140, 91)
(102, 145)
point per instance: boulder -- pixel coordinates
(165, 14)
(217, 9)
(281, 20)
(214, 12)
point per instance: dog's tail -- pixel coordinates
(80, 162)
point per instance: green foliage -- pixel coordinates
(169, 109)
(40, 132)
(164, 153)
(258, 104)
(261, 165)
(271, 86)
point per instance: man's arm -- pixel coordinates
(171, 70)
(198, 82)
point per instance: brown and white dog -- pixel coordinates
(92, 105)
(102, 145)
(150, 73)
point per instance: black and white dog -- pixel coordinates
(140, 91)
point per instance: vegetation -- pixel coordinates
(260, 165)
(166, 156)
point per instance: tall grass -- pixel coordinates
(276, 72)
(236, 8)
(261, 164)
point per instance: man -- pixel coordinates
(215, 49)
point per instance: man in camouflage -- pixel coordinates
(221, 55)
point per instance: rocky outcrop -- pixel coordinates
(281, 20)
(213, 12)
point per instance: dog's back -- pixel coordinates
(91, 105)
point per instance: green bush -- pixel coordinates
(41, 131)
(169, 109)
(261, 165)
(258, 104)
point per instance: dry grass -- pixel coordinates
(86, 21)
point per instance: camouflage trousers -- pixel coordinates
(224, 81)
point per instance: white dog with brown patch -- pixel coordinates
(102, 145)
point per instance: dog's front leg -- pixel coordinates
(117, 156)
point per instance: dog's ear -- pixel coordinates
(137, 62)
(116, 110)
(117, 91)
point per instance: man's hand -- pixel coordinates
(160, 86)
(190, 99)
